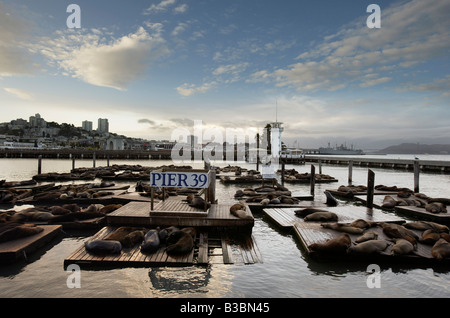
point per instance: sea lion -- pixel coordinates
(199, 203)
(331, 201)
(151, 241)
(436, 207)
(445, 236)
(441, 249)
(306, 211)
(343, 228)
(133, 238)
(389, 202)
(239, 210)
(430, 237)
(397, 231)
(321, 216)
(73, 207)
(402, 247)
(75, 216)
(337, 245)
(362, 224)
(425, 225)
(121, 234)
(12, 231)
(180, 242)
(90, 209)
(366, 237)
(109, 208)
(445, 201)
(368, 247)
(103, 247)
(58, 210)
(265, 202)
(164, 233)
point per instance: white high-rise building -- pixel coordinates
(103, 125)
(86, 125)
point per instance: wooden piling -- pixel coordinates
(416, 176)
(40, 164)
(370, 188)
(350, 172)
(313, 179)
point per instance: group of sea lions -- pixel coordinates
(276, 194)
(401, 238)
(406, 198)
(292, 175)
(176, 241)
(57, 214)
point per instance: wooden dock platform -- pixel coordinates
(286, 217)
(208, 250)
(421, 213)
(140, 214)
(17, 249)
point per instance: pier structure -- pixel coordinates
(424, 165)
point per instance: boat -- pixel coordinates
(340, 150)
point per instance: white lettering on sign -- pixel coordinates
(179, 179)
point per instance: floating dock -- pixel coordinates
(177, 213)
(17, 249)
(208, 249)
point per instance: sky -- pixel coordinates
(151, 67)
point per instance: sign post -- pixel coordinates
(199, 179)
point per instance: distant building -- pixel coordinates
(103, 125)
(86, 125)
(37, 121)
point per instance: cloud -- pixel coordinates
(162, 6)
(14, 33)
(19, 93)
(412, 33)
(105, 62)
(148, 121)
(190, 89)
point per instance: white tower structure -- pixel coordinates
(275, 138)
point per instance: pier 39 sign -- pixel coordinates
(175, 179)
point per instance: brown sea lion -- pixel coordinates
(337, 245)
(366, 237)
(441, 249)
(133, 238)
(445, 201)
(389, 202)
(331, 201)
(73, 207)
(368, 247)
(58, 210)
(362, 224)
(321, 217)
(397, 231)
(425, 225)
(109, 208)
(164, 233)
(445, 236)
(343, 228)
(179, 242)
(121, 233)
(436, 207)
(402, 247)
(199, 203)
(430, 237)
(306, 211)
(12, 231)
(239, 210)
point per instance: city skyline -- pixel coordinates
(152, 66)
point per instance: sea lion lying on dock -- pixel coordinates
(402, 247)
(181, 242)
(366, 237)
(425, 225)
(430, 237)
(103, 247)
(307, 211)
(441, 249)
(362, 224)
(368, 247)
(337, 245)
(389, 202)
(11, 231)
(321, 217)
(164, 233)
(151, 241)
(199, 203)
(342, 227)
(393, 230)
(127, 236)
(239, 210)
(436, 207)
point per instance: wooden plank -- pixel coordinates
(203, 249)
(226, 251)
